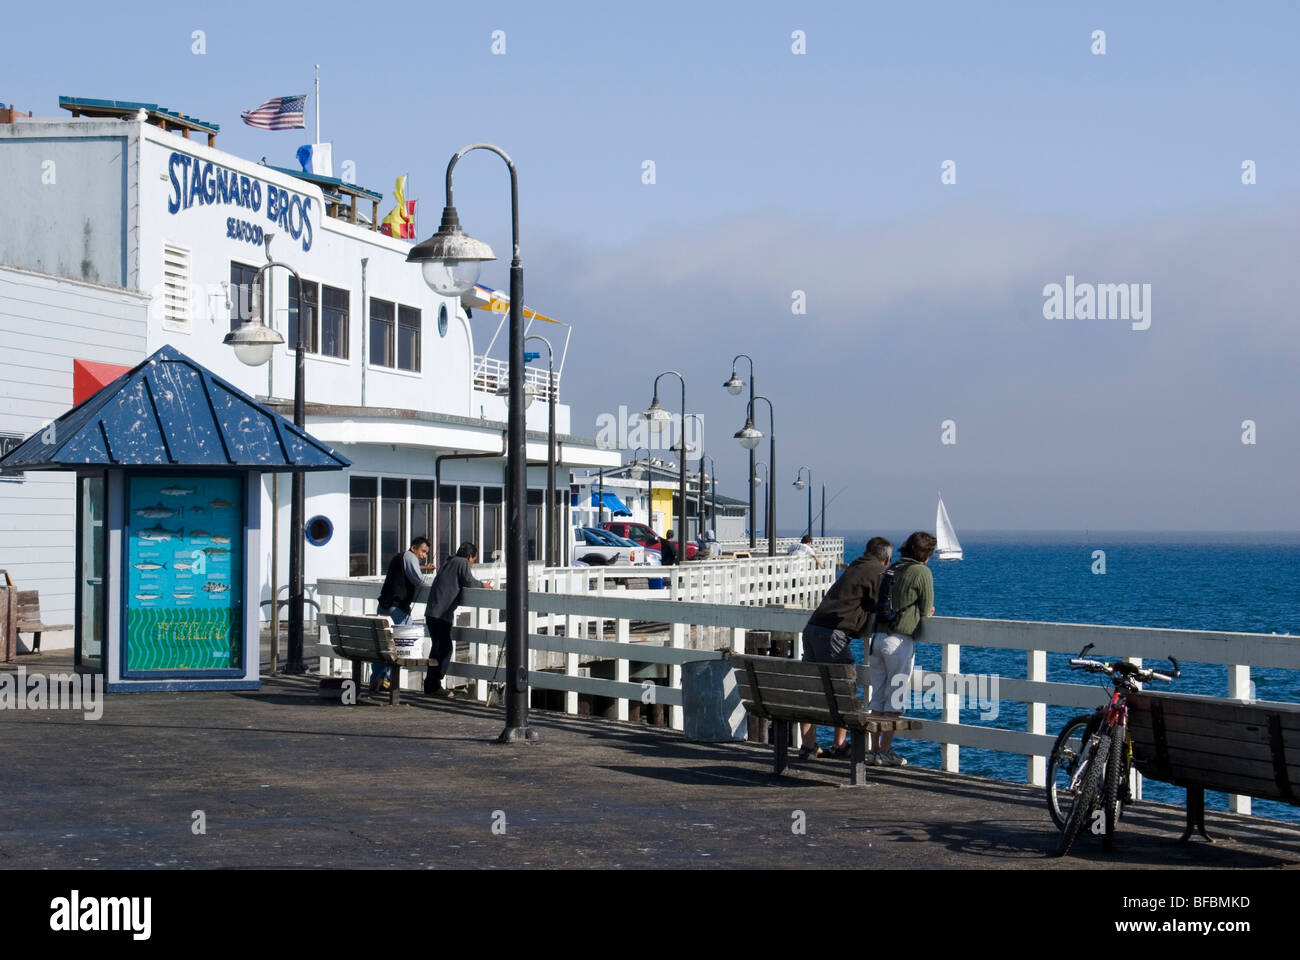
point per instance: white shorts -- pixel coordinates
(889, 669)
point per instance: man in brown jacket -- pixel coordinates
(844, 613)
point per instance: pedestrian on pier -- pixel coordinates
(889, 665)
(804, 548)
(668, 551)
(402, 582)
(844, 614)
(444, 597)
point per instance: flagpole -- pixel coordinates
(318, 103)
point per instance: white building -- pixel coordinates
(393, 378)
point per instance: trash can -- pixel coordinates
(711, 707)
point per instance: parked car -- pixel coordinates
(597, 547)
(645, 536)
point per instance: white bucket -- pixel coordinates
(411, 642)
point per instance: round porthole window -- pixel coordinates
(442, 320)
(319, 531)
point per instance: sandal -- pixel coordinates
(811, 753)
(843, 752)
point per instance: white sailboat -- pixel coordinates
(949, 548)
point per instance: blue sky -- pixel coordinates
(821, 172)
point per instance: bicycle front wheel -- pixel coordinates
(1062, 765)
(1116, 774)
(1086, 799)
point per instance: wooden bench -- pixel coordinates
(1207, 743)
(369, 640)
(29, 618)
(792, 691)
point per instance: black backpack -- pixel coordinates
(887, 614)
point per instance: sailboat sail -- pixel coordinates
(948, 547)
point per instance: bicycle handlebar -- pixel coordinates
(1141, 674)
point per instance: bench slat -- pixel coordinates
(793, 699)
(1208, 740)
(1223, 711)
(852, 721)
(806, 684)
(793, 668)
(1180, 758)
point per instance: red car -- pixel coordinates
(645, 536)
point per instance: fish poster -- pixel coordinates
(184, 573)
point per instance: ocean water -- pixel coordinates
(1239, 582)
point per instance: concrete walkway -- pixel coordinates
(284, 779)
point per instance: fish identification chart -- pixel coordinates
(184, 578)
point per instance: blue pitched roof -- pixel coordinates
(171, 412)
(126, 107)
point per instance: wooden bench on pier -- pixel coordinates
(1209, 743)
(369, 639)
(29, 618)
(792, 691)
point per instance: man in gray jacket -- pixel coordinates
(444, 597)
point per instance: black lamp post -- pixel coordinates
(800, 483)
(734, 385)
(552, 521)
(656, 417)
(755, 478)
(713, 493)
(749, 435)
(254, 342)
(699, 498)
(450, 262)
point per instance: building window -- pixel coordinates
(242, 280)
(408, 339)
(381, 333)
(493, 521)
(446, 519)
(533, 522)
(469, 509)
(422, 510)
(176, 286)
(361, 526)
(392, 518)
(310, 301)
(334, 323)
(442, 320)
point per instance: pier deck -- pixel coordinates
(285, 779)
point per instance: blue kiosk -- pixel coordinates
(168, 460)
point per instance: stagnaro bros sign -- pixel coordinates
(196, 182)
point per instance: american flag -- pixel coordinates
(281, 113)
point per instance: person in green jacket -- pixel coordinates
(889, 666)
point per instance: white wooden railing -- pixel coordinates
(827, 548)
(598, 626)
(490, 374)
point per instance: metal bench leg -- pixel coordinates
(394, 685)
(356, 679)
(781, 738)
(1195, 815)
(858, 761)
(36, 642)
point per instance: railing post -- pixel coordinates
(622, 634)
(1239, 689)
(951, 667)
(737, 639)
(678, 634)
(1036, 715)
(571, 667)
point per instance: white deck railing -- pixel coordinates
(490, 374)
(598, 626)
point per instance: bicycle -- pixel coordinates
(1093, 754)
